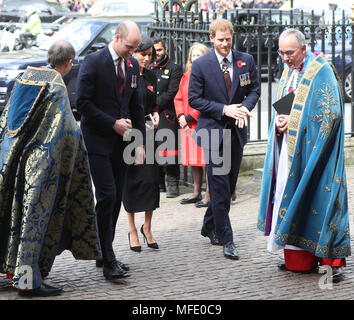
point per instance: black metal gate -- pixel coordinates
(257, 32)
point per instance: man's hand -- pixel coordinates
(239, 113)
(234, 111)
(122, 126)
(139, 156)
(244, 121)
(282, 122)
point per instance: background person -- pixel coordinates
(168, 75)
(33, 25)
(141, 190)
(192, 154)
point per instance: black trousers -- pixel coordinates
(108, 174)
(221, 187)
(172, 172)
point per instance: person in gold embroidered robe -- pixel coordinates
(46, 198)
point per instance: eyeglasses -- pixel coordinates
(288, 53)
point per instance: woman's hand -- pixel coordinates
(182, 121)
(156, 118)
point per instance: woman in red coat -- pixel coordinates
(192, 154)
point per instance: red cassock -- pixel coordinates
(301, 260)
(192, 154)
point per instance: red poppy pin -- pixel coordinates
(240, 63)
(151, 88)
(129, 63)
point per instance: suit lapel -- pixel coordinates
(128, 81)
(217, 74)
(236, 74)
(111, 70)
(128, 76)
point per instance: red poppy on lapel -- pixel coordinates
(151, 88)
(129, 63)
(240, 64)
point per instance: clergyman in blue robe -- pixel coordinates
(303, 202)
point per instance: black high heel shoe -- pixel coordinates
(150, 245)
(135, 248)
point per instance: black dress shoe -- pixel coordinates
(44, 290)
(123, 266)
(282, 267)
(113, 271)
(172, 192)
(99, 264)
(230, 251)
(211, 234)
(337, 274)
(201, 204)
(191, 200)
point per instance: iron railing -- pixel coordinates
(256, 32)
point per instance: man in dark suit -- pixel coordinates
(224, 88)
(168, 75)
(109, 99)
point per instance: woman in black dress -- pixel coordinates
(141, 190)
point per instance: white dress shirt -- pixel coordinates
(115, 57)
(229, 58)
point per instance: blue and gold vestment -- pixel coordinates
(46, 197)
(313, 212)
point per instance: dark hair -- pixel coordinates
(59, 53)
(147, 43)
(158, 40)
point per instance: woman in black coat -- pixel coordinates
(141, 190)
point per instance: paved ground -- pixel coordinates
(187, 267)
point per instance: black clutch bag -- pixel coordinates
(283, 105)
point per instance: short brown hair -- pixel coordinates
(220, 25)
(125, 27)
(122, 30)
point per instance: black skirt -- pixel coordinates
(141, 189)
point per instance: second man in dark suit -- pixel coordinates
(109, 99)
(224, 88)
